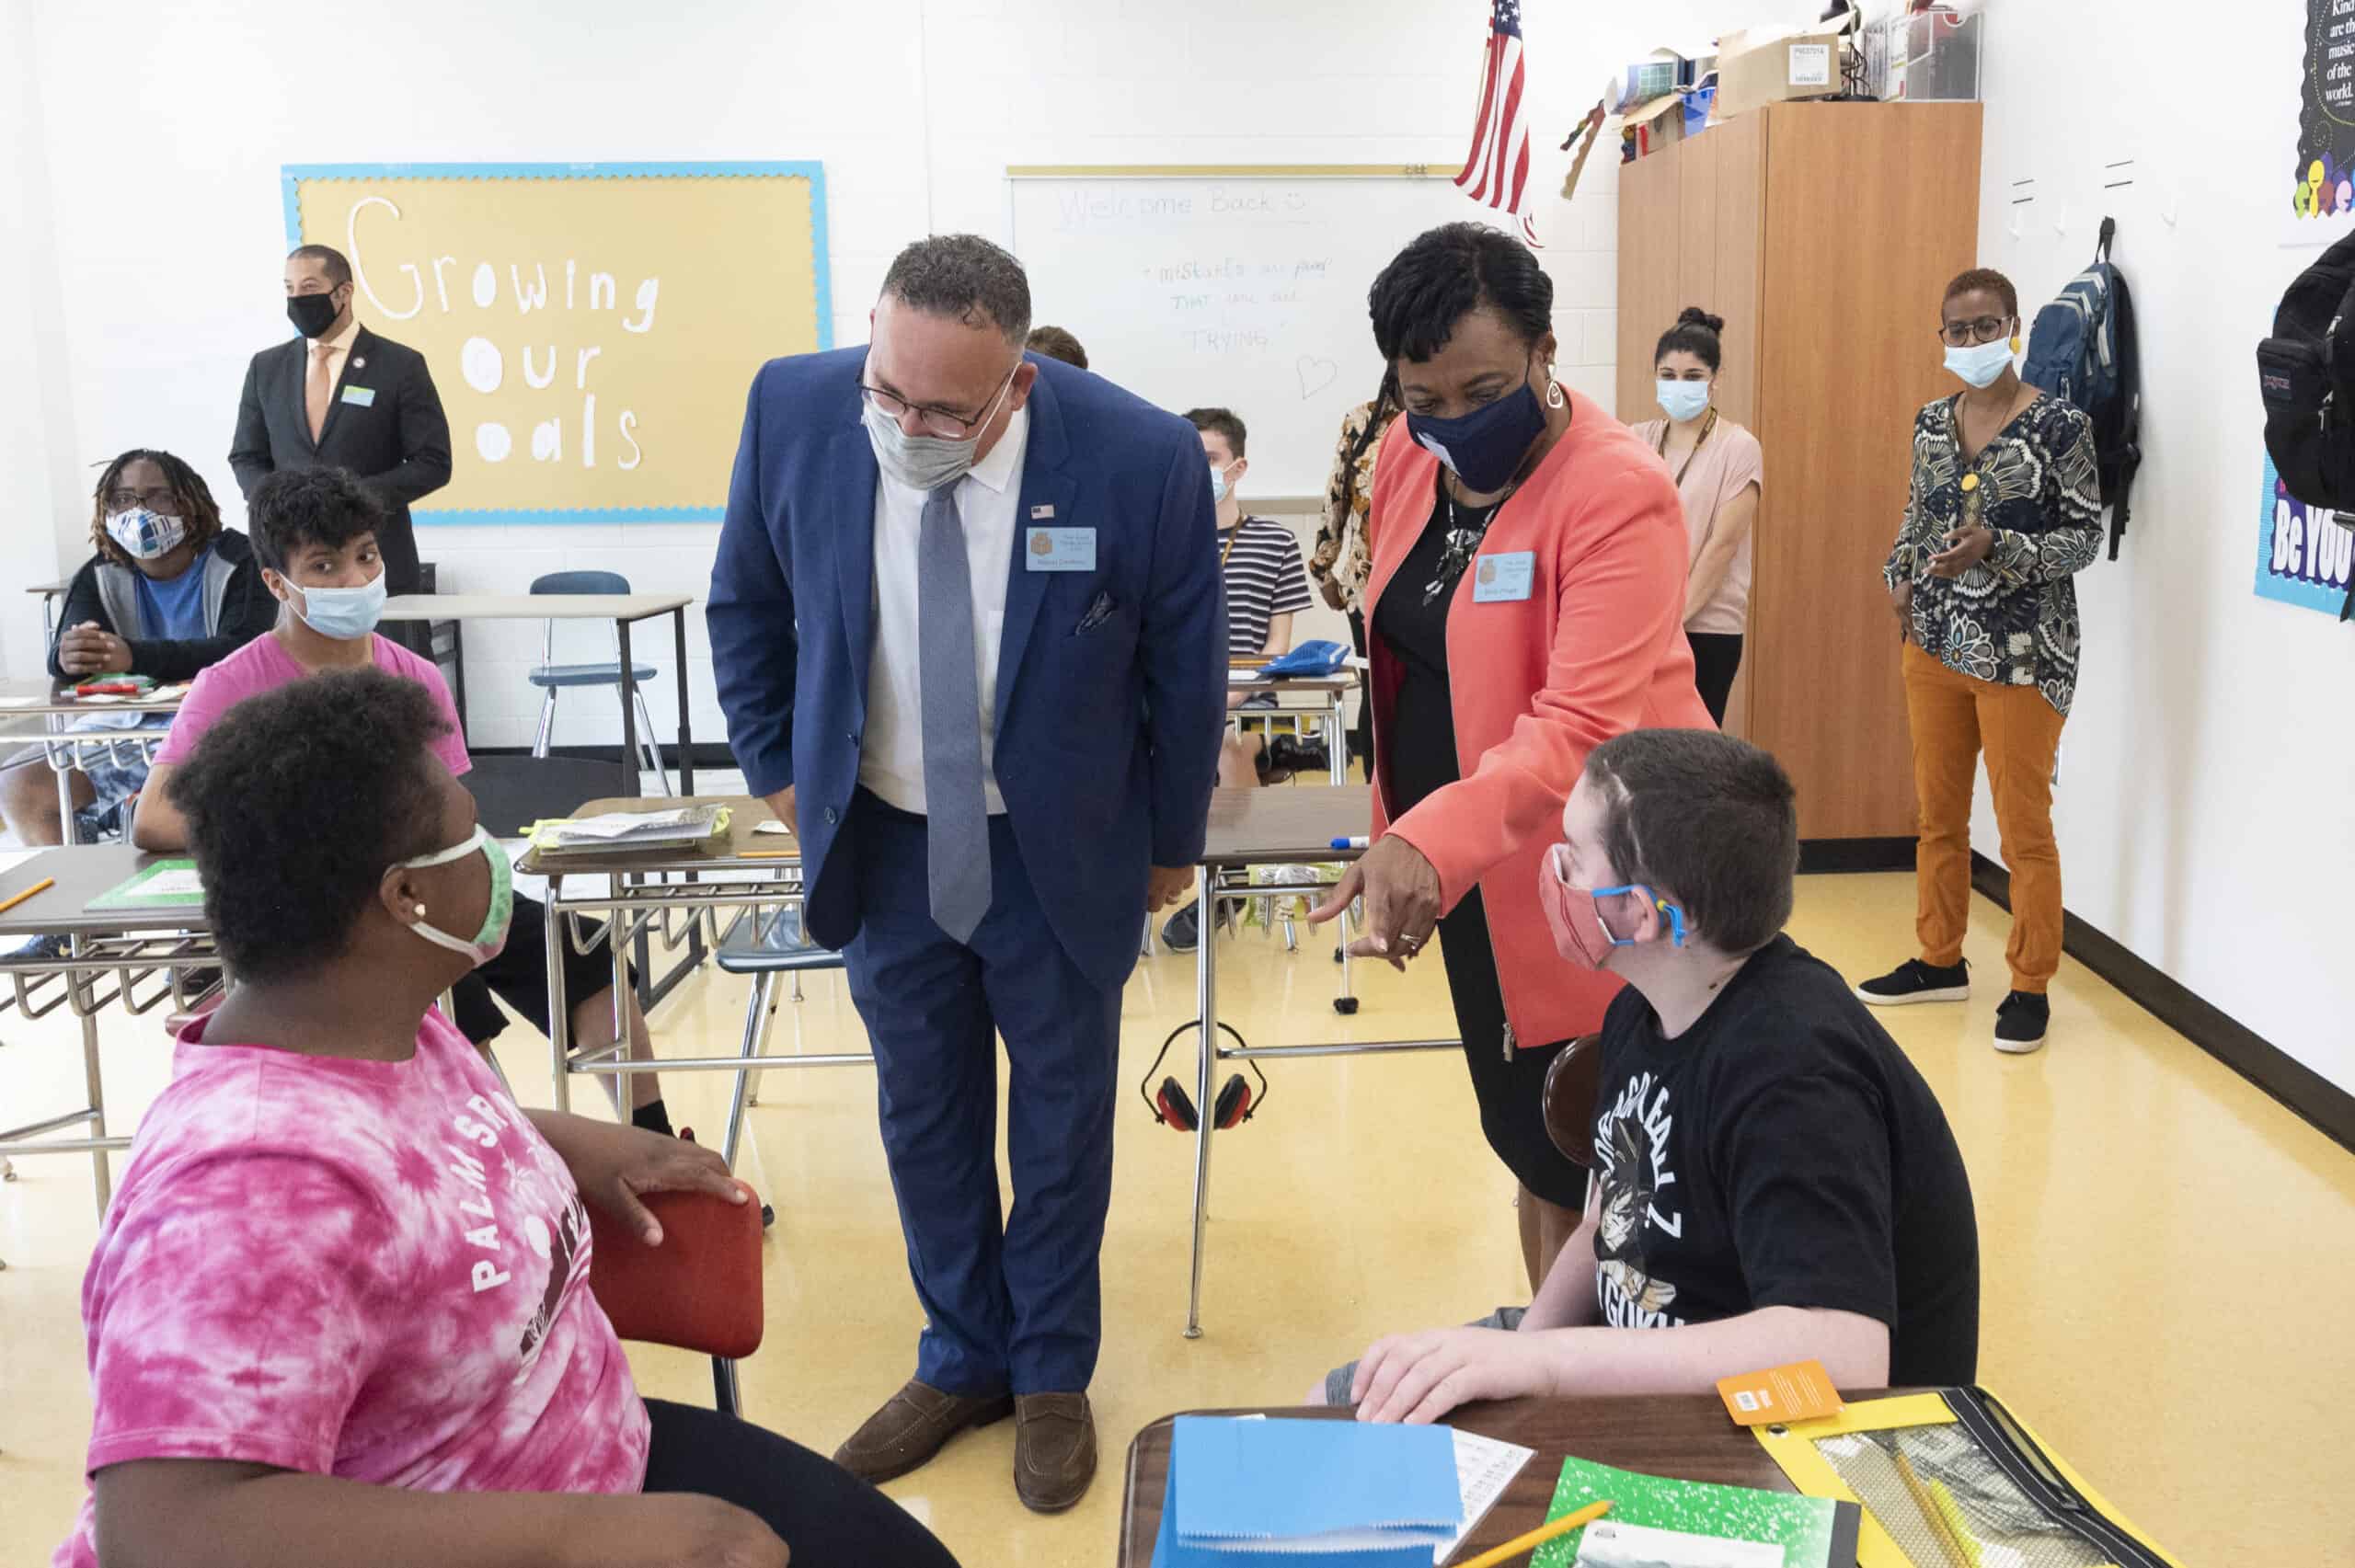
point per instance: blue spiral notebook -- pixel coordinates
(1321, 1493)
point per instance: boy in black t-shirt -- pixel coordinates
(1774, 1181)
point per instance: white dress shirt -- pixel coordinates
(890, 758)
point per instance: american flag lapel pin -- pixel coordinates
(1040, 513)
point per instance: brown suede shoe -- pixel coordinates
(1054, 1450)
(913, 1425)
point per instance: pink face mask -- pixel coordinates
(1575, 914)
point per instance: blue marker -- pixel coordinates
(1357, 843)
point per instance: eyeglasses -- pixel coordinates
(941, 422)
(1964, 334)
(157, 498)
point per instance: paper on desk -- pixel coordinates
(1483, 1467)
(11, 859)
(624, 824)
(771, 826)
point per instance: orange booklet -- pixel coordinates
(1801, 1391)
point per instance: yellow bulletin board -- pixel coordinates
(592, 328)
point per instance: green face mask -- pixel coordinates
(491, 940)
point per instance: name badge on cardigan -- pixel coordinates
(1502, 578)
(359, 396)
(1060, 550)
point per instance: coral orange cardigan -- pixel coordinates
(1597, 648)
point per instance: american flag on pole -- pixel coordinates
(1496, 169)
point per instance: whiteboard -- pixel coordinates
(1240, 290)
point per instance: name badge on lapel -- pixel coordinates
(359, 396)
(1502, 578)
(1060, 550)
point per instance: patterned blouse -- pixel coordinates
(1343, 554)
(2012, 618)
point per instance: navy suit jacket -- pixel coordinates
(1108, 715)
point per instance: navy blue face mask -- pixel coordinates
(1484, 448)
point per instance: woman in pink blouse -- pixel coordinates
(339, 1309)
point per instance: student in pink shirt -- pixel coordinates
(338, 1311)
(314, 534)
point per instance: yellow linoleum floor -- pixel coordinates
(2167, 1251)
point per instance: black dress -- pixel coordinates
(1419, 752)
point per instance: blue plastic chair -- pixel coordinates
(553, 678)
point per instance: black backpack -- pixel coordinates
(2306, 372)
(2081, 349)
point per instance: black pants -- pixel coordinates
(1717, 656)
(828, 1517)
(520, 976)
(1361, 732)
(1511, 1092)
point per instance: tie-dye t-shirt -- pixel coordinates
(366, 1269)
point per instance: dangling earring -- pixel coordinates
(1553, 399)
(2015, 342)
(420, 911)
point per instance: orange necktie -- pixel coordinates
(317, 387)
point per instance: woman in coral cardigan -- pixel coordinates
(1526, 605)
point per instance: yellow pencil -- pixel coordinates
(40, 886)
(1540, 1536)
(768, 854)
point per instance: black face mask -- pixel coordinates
(312, 314)
(1484, 448)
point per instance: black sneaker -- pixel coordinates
(1182, 933)
(1914, 981)
(2021, 1023)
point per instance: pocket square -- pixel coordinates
(1097, 614)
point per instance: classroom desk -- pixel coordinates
(133, 945)
(624, 609)
(53, 703)
(632, 889)
(1334, 691)
(1265, 827)
(1685, 1435)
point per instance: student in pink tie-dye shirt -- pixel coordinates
(338, 1312)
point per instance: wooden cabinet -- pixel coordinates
(1825, 234)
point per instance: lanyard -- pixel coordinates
(1701, 440)
(1235, 533)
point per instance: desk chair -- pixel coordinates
(699, 1291)
(766, 944)
(553, 678)
(1571, 1083)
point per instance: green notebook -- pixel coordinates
(1814, 1533)
(166, 885)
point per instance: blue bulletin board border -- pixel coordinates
(291, 176)
(2274, 585)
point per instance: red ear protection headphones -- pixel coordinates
(1172, 1107)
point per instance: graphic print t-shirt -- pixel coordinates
(365, 1269)
(1782, 1152)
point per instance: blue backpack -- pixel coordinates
(2082, 350)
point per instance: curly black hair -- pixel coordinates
(295, 507)
(1446, 274)
(197, 507)
(296, 802)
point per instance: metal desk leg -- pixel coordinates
(1336, 740)
(559, 1006)
(686, 735)
(100, 1175)
(1206, 1004)
(630, 785)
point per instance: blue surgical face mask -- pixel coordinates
(1982, 364)
(1683, 400)
(343, 614)
(1220, 482)
(1484, 448)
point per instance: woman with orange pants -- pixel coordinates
(2005, 510)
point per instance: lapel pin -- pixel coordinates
(359, 364)
(1038, 512)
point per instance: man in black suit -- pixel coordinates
(341, 397)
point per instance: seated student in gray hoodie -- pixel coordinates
(169, 591)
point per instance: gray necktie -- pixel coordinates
(957, 830)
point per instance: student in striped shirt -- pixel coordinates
(1267, 585)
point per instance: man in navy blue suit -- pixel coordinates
(986, 688)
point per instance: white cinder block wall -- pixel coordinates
(914, 107)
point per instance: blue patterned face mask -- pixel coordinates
(145, 535)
